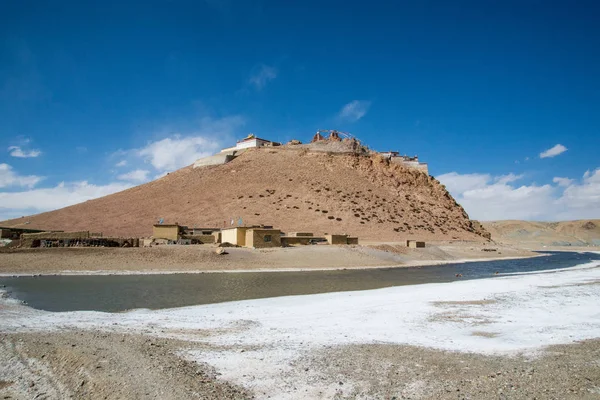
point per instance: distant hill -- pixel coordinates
(290, 187)
(565, 233)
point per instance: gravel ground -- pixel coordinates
(405, 372)
(94, 365)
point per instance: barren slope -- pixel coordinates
(565, 233)
(290, 189)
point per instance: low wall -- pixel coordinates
(217, 159)
(295, 240)
(202, 238)
(352, 240)
(56, 235)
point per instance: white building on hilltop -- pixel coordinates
(228, 154)
(250, 142)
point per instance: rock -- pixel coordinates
(221, 251)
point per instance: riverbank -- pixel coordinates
(524, 336)
(202, 258)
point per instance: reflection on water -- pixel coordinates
(123, 292)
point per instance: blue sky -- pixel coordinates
(98, 97)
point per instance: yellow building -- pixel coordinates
(236, 236)
(337, 239)
(261, 237)
(169, 232)
(252, 237)
(414, 244)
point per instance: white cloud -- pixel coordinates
(553, 152)
(138, 175)
(15, 204)
(486, 197)
(178, 151)
(17, 151)
(10, 178)
(582, 200)
(563, 181)
(121, 163)
(262, 75)
(354, 110)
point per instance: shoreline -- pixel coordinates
(514, 333)
(413, 264)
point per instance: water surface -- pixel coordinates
(115, 293)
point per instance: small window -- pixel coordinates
(267, 238)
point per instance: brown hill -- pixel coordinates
(292, 189)
(531, 233)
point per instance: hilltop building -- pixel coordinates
(229, 153)
(250, 142)
(253, 142)
(412, 162)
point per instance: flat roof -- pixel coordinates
(253, 138)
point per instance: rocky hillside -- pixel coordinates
(565, 233)
(291, 188)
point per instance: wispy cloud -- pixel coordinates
(121, 163)
(17, 151)
(262, 75)
(8, 177)
(354, 110)
(553, 151)
(138, 175)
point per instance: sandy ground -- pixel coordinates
(165, 259)
(513, 337)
